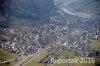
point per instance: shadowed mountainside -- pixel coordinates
(27, 9)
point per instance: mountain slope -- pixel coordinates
(27, 9)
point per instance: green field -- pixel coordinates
(7, 55)
(95, 43)
(35, 61)
(11, 63)
(98, 61)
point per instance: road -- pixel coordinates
(26, 58)
(65, 8)
(7, 61)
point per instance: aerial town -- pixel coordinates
(62, 34)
